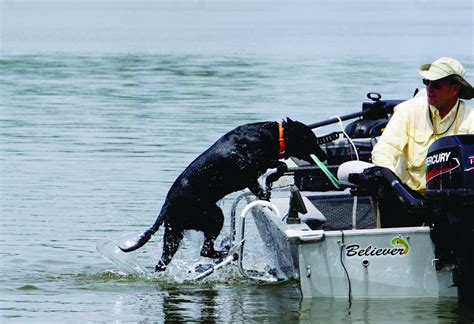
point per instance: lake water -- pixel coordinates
(103, 104)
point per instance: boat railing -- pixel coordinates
(236, 252)
(233, 212)
(245, 211)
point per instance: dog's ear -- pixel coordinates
(288, 120)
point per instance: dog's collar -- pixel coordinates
(281, 140)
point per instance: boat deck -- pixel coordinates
(337, 208)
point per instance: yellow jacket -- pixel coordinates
(411, 130)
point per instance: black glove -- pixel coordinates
(371, 182)
(382, 183)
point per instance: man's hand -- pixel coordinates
(371, 182)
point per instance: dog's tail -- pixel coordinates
(146, 236)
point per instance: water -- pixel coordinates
(104, 103)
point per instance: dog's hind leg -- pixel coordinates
(215, 221)
(172, 238)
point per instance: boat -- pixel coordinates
(331, 241)
(324, 233)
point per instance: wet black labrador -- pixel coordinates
(233, 163)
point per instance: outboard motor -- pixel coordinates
(450, 189)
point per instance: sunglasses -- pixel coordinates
(436, 84)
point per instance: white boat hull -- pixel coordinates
(380, 263)
(395, 274)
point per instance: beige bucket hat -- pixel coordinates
(444, 67)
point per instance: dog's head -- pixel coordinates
(301, 142)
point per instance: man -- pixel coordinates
(415, 125)
(418, 122)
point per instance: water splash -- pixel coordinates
(186, 263)
(125, 262)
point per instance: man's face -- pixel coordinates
(441, 92)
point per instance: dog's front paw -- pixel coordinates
(268, 195)
(264, 195)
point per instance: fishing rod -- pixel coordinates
(334, 120)
(375, 109)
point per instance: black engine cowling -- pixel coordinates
(450, 189)
(450, 163)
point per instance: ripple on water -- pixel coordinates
(28, 288)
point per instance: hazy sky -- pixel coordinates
(402, 27)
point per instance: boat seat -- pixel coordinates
(313, 218)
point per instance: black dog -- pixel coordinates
(233, 163)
